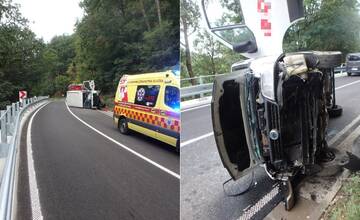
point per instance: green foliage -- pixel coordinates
(61, 83)
(20, 54)
(347, 206)
(113, 39)
(329, 25)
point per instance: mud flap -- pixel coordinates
(289, 199)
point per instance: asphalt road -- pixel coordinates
(203, 175)
(82, 175)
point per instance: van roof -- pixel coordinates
(165, 74)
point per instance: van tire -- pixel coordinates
(328, 59)
(349, 73)
(335, 111)
(123, 126)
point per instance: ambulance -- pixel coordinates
(149, 104)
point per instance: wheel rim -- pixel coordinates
(122, 127)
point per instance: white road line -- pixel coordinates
(183, 144)
(194, 108)
(349, 84)
(343, 131)
(125, 147)
(34, 190)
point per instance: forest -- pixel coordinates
(114, 37)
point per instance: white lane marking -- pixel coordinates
(183, 144)
(349, 84)
(34, 190)
(125, 147)
(343, 131)
(194, 108)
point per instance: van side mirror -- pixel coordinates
(224, 20)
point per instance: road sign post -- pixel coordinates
(22, 96)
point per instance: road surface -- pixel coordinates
(82, 174)
(203, 175)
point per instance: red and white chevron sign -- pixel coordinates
(22, 95)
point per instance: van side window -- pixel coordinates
(147, 95)
(172, 97)
(353, 58)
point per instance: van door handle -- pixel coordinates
(152, 110)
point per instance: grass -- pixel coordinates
(347, 205)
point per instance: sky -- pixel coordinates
(48, 18)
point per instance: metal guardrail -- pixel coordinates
(197, 86)
(200, 90)
(10, 120)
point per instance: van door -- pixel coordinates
(230, 124)
(145, 116)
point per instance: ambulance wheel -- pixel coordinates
(178, 146)
(123, 126)
(335, 111)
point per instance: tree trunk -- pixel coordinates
(144, 14)
(158, 10)
(213, 67)
(187, 52)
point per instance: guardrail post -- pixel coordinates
(201, 82)
(12, 112)
(16, 108)
(3, 138)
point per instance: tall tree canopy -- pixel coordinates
(130, 37)
(329, 25)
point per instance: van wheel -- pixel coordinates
(328, 59)
(123, 126)
(335, 111)
(349, 73)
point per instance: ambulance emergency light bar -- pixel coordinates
(254, 28)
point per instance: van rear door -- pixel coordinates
(230, 124)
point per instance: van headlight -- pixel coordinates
(264, 68)
(267, 85)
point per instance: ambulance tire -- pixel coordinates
(178, 146)
(123, 126)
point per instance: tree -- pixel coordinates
(208, 46)
(144, 14)
(189, 16)
(112, 39)
(157, 2)
(329, 25)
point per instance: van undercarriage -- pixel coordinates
(285, 133)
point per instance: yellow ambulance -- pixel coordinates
(149, 104)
